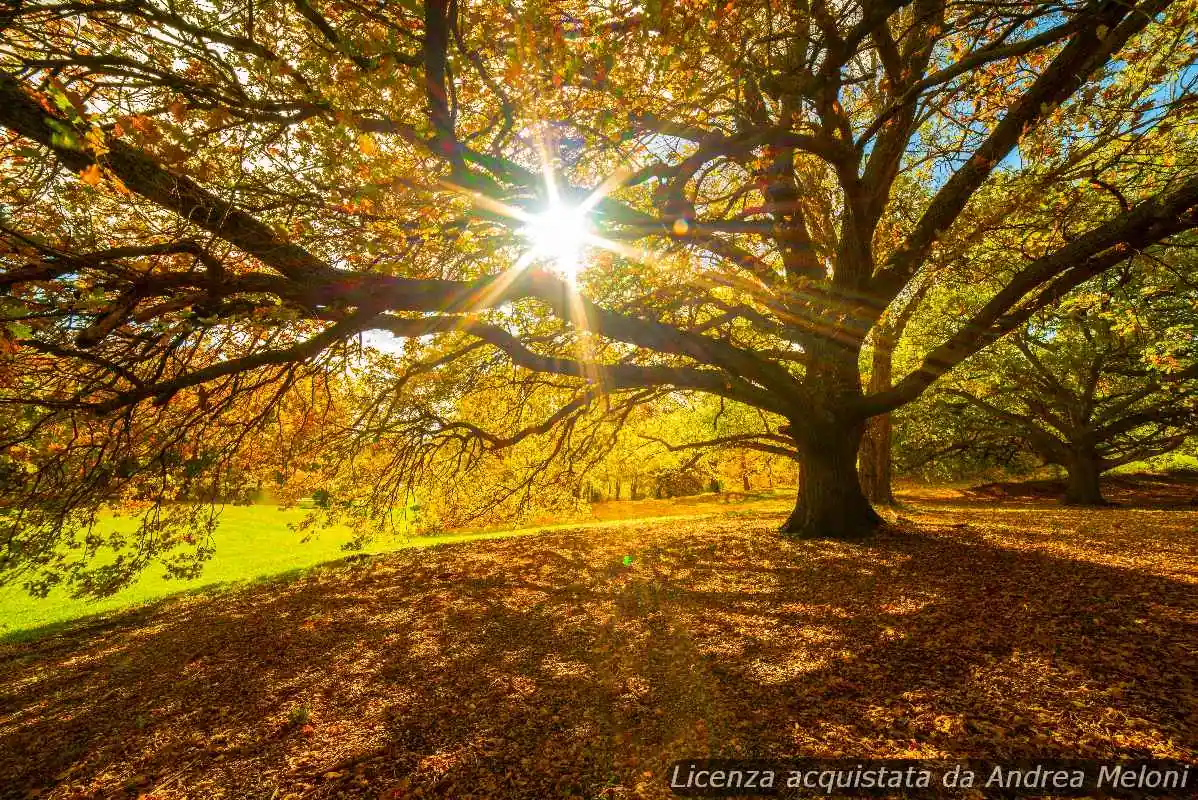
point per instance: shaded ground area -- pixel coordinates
(1175, 490)
(257, 542)
(545, 666)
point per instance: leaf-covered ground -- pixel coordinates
(545, 666)
(257, 542)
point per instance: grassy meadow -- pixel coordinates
(252, 543)
(255, 542)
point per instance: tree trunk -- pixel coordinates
(1084, 487)
(875, 461)
(831, 504)
(875, 467)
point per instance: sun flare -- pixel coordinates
(559, 234)
(562, 232)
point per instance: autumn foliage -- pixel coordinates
(434, 239)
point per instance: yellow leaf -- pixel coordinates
(367, 145)
(96, 141)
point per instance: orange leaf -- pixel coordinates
(92, 175)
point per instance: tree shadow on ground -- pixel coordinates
(546, 667)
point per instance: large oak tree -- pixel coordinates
(1109, 378)
(206, 199)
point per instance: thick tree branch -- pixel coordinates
(1063, 270)
(1085, 52)
(750, 441)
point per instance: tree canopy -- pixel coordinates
(1109, 378)
(560, 210)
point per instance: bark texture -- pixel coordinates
(830, 503)
(875, 469)
(1084, 487)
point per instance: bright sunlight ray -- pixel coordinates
(560, 234)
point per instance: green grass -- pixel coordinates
(1169, 462)
(252, 543)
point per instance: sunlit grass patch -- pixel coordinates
(255, 542)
